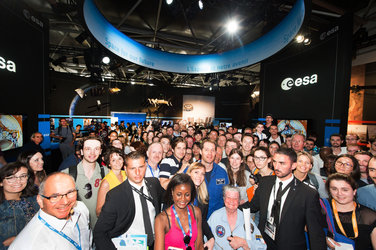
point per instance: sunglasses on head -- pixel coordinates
(89, 193)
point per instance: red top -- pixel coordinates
(174, 237)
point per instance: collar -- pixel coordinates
(239, 217)
(137, 186)
(59, 224)
(80, 168)
(175, 160)
(151, 166)
(285, 182)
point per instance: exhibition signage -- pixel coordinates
(265, 46)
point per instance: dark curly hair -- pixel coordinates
(112, 150)
(11, 169)
(177, 180)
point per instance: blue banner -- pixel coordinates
(121, 45)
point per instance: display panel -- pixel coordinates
(290, 127)
(11, 135)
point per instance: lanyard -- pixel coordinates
(151, 169)
(353, 220)
(142, 194)
(78, 246)
(181, 227)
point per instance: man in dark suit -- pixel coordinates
(125, 208)
(287, 208)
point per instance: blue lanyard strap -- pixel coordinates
(151, 169)
(78, 246)
(181, 227)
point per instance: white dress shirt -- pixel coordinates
(37, 236)
(137, 226)
(273, 194)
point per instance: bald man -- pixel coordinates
(61, 223)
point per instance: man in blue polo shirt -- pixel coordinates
(215, 176)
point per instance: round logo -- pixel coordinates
(287, 83)
(188, 107)
(220, 231)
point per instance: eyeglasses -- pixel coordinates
(344, 164)
(89, 192)
(187, 240)
(13, 178)
(57, 197)
(259, 158)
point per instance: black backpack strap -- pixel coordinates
(102, 171)
(73, 171)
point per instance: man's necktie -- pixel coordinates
(278, 205)
(145, 215)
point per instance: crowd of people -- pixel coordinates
(187, 187)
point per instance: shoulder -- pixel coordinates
(218, 170)
(66, 170)
(120, 190)
(153, 182)
(168, 160)
(105, 183)
(81, 207)
(218, 213)
(197, 211)
(267, 179)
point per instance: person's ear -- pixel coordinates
(40, 201)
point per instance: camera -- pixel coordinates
(255, 177)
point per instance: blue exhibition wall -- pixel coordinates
(129, 117)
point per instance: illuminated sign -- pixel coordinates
(7, 64)
(288, 82)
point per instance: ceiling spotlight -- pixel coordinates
(299, 38)
(114, 90)
(200, 4)
(210, 88)
(133, 82)
(106, 60)
(169, 1)
(232, 26)
(307, 41)
(80, 92)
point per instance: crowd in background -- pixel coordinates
(197, 181)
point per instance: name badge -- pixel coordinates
(270, 228)
(220, 181)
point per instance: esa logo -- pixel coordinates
(288, 82)
(7, 64)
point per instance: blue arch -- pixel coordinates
(254, 52)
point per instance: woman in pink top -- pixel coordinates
(179, 226)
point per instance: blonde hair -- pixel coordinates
(308, 155)
(202, 191)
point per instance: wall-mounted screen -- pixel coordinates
(290, 127)
(11, 135)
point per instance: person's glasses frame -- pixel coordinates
(55, 198)
(13, 178)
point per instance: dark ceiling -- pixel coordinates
(179, 28)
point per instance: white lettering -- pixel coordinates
(305, 80)
(9, 65)
(288, 82)
(2, 63)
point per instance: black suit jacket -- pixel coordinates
(118, 212)
(301, 208)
